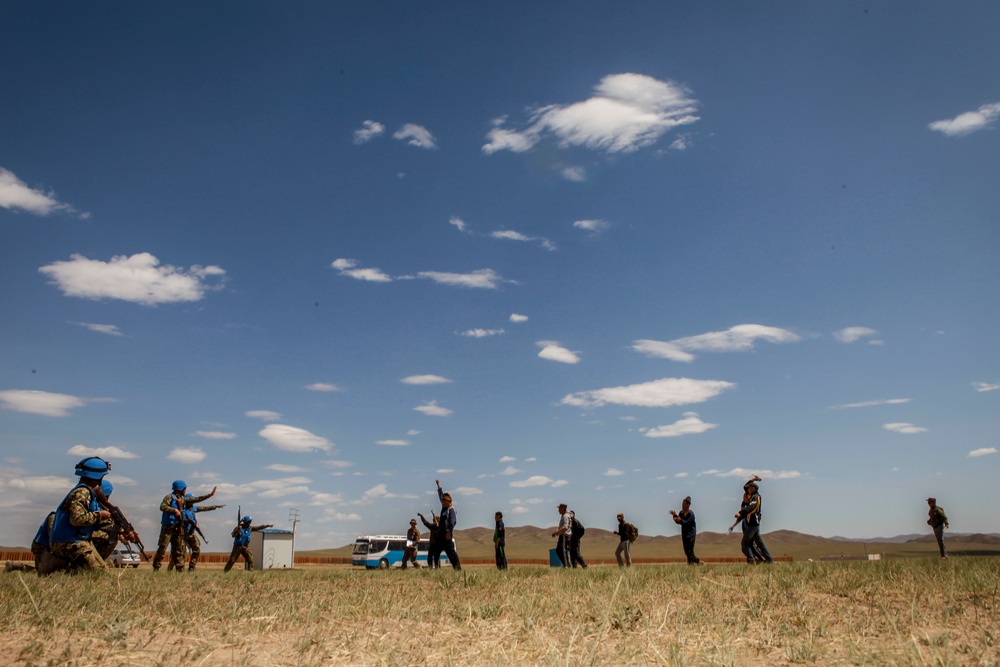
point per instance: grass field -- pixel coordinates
(896, 612)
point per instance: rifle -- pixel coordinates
(193, 523)
(123, 524)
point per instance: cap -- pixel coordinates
(413, 521)
(932, 500)
(687, 500)
(561, 505)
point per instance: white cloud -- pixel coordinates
(346, 267)
(482, 333)
(968, 122)
(432, 409)
(535, 480)
(467, 491)
(985, 386)
(514, 317)
(510, 470)
(215, 435)
(186, 455)
(263, 415)
(593, 226)
(747, 473)
(425, 379)
(575, 174)
(108, 329)
(393, 443)
(511, 235)
(662, 393)
(853, 334)
(294, 439)
(138, 279)
(903, 427)
(983, 451)
(740, 338)
(370, 129)
(282, 467)
(558, 483)
(553, 351)
(479, 279)
(681, 475)
(520, 509)
(106, 453)
(39, 402)
(415, 135)
(15, 195)
(377, 492)
(457, 222)
(323, 386)
(662, 350)
(689, 425)
(627, 112)
(867, 404)
(613, 472)
(681, 143)
(507, 459)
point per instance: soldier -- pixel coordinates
(171, 533)
(938, 521)
(412, 544)
(241, 543)
(434, 545)
(106, 535)
(191, 531)
(44, 560)
(78, 515)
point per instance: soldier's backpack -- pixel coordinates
(631, 532)
(578, 529)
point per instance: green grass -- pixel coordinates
(899, 612)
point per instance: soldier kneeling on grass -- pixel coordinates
(77, 517)
(241, 543)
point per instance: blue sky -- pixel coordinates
(322, 256)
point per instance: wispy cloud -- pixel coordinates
(536, 480)
(868, 404)
(393, 443)
(16, 196)
(107, 329)
(746, 473)
(553, 351)
(432, 409)
(662, 393)
(39, 402)
(514, 317)
(904, 427)
(482, 333)
(457, 223)
(511, 235)
(186, 455)
(285, 468)
(689, 425)
(627, 112)
(215, 435)
(369, 130)
(294, 439)
(740, 338)
(416, 135)
(592, 226)
(323, 386)
(968, 122)
(137, 279)
(480, 279)
(425, 379)
(613, 472)
(853, 334)
(263, 415)
(348, 267)
(109, 453)
(985, 386)
(983, 451)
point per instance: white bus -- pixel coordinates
(385, 551)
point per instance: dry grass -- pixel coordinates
(913, 612)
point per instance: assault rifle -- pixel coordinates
(123, 524)
(193, 523)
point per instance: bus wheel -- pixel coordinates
(383, 564)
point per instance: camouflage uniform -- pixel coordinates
(105, 538)
(171, 533)
(241, 545)
(190, 533)
(82, 511)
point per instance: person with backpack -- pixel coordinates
(564, 532)
(575, 557)
(752, 545)
(938, 521)
(627, 534)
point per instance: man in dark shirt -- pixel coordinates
(689, 530)
(449, 518)
(938, 520)
(500, 542)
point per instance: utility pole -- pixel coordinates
(294, 517)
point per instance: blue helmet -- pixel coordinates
(93, 467)
(106, 487)
(248, 519)
(179, 485)
(188, 496)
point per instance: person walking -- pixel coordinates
(446, 528)
(412, 543)
(241, 543)
(564, 532)
(938, 521)
(689, 530)
(625, 540)
(500, 541)
(575, 557)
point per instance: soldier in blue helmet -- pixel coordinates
(78, 515)
(171, 524)
(106, 535)
(189, 526)
(241, 543)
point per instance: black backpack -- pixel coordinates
(578, 529)
(631, 533)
